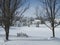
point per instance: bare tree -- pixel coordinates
(19, 14)
(52, 8)
(9, 8)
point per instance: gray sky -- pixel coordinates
(31, 11)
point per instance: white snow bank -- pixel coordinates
(38, 36)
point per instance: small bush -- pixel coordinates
(22, 35)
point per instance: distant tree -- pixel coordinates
(9, 8)
(31, 19)
(39, 16)
(51, 9)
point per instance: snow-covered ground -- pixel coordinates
(37, 36)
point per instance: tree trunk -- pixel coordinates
(53, 31)
(7, 32)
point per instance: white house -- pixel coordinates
(36, 21)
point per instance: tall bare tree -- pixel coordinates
(9, 8)
(52, 8)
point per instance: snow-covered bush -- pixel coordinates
(22, 35)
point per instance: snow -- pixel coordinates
(37, 36)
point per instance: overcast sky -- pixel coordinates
(31, 11)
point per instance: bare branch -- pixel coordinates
(48, 26)
(57, 10)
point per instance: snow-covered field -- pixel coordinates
(37, 36)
